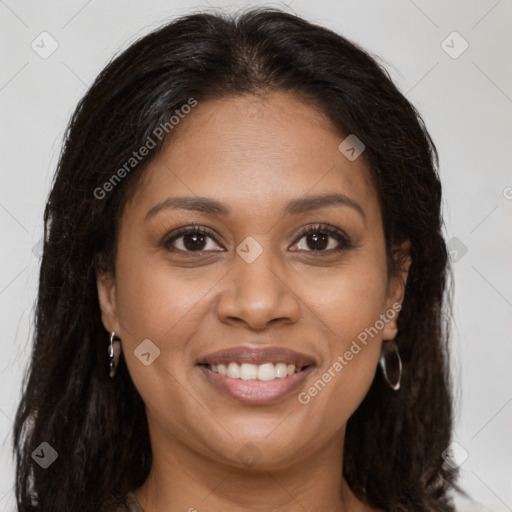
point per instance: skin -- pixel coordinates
(254, 154)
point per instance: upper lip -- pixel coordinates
(257, 356)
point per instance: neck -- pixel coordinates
(182, 479)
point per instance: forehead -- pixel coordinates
(254, 152)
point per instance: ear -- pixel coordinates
(396, 288)
(105, 282)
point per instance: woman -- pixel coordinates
(242, 295)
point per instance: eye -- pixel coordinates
(317, 239)
(321, 238)
(189, 239)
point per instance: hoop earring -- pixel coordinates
(391, 364)
(113, 352)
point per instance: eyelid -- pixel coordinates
(185, 230)
(330, 230)
(338, 234)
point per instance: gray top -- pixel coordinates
(132, 505)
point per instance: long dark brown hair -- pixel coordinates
(395, 440)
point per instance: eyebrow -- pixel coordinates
(294, 207)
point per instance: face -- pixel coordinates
(252, 245)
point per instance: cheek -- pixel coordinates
(349, 304)
(346, 299)
(166, 306)
(154, 300)
(155, 304)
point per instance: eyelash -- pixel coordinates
(326, 229)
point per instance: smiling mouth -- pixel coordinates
(256, 375)
(256, 385)
(261, 372)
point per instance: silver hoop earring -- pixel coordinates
(113, 352)
(391, 364)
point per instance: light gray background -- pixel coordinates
(465, 101)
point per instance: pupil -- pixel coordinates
(197, 243)
(316, 237)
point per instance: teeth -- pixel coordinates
(248, 371)
(264, 372)
(233, 371)
(281, 370)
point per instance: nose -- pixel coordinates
(257, 294)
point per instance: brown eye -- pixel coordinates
(194, 241)
(190, 239)
(324, 239)
(317, 241)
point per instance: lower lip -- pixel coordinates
(257, 392)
